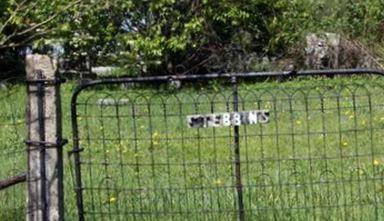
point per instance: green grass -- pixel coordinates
(319, 158)
(12, 151)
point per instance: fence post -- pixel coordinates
(44, 142)
(236, 151)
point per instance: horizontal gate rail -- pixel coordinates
(249, 75)
(12, 181)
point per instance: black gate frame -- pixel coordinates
(233, 77)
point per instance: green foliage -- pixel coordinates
(165, 36)
(360, 20)
(187, 36)
(24, 22)
(364, 20)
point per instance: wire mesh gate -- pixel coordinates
(318, 158)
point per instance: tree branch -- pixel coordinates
(34, 27)
(12, 16)
(47, 20)
(29, 38)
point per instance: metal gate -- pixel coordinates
(313, 149)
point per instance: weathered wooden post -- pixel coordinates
(44, 142)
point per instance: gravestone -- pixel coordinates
(333, 51)
(322, 51)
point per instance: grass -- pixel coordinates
(319, 158)
(12, 151)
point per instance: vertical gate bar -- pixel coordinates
(76, 152)
(236, 147)
(41, 120)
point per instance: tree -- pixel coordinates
(178, 36)
(195, 36)
(155, 37)
(24, 22)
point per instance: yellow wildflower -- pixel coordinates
(298, 122)
(112, 199)
(218, 182)
(344, 143)
(376, 162)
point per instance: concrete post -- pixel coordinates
(44, 142)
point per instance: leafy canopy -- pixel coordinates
(180, 36)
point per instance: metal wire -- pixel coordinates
(319, 158)
(12, 149)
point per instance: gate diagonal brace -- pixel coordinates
(45, 145)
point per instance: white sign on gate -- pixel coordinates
(228, 119)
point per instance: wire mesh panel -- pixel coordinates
(12, 148)
(318, 158)
(141, 161)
